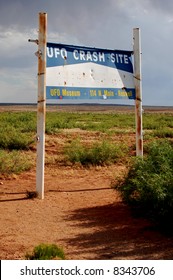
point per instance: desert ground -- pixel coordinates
(80, 212)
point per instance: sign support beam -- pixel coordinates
(138, 88)
(41, 104)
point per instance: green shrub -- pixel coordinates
(14, 162)
(148, 185)
(88, 121)
(98, 154)
(13, 139)
(21, 121)
(157, 121)
(163, 133)
(46, 252)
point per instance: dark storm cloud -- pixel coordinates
(76, 15)
(23, 13)
(165, 6)
(98, 23)
(83, 19)
(88, 22)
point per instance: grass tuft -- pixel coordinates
(46, 252)
(14, 162)
(98, 154)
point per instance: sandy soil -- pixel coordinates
(80, 212)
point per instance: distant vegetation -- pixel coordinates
(88, 121)
(18, 131)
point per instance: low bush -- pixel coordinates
(13, 162)
(13, 139)
(98, 154)
(46, 252)
(148, 185)
(163, 133)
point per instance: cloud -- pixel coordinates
(18, 86)
(14, 46)
(97, 23)
(163, 7)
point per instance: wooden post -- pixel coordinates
(138, 88)
(41, 104)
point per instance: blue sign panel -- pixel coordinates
(75, 72)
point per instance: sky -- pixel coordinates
(96, 23)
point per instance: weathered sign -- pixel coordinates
(75, 72)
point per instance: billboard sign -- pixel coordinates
(75, 72)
